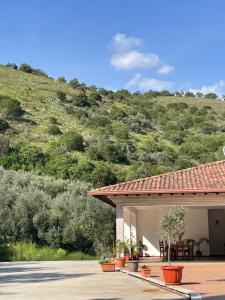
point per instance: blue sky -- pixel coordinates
(139, 45)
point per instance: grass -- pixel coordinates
(31, 252)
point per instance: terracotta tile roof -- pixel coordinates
(203, 178)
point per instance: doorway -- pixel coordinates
(216, 231)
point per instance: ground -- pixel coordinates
(77, 280)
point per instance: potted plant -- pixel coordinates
(132, 265)
(172, 222)
(198, 244)
(119, 248)
(107, 264)
(126, 251)
(145, 271)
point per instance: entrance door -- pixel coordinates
(216, 231)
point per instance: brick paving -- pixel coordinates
(206, 278)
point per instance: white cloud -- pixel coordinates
(144, 84)
(165, 69)
(217, 88)
(122, 42)
(134, 60)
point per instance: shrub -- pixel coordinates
(25, 68)
(61, 96)
(99, 121)
(53, 129)
(61, 79)
(3, 125)
(10, 108)
(24, 156)
(53, 120)
(74, 83)
(72, 141)
(80, 100)
(103, 175)
(61, 166)
(12, 66)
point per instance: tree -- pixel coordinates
(74, 83)
(211, 96)
(61, 79)
(103, 175)
(25, 68)
(71, 141)
(172, 223)
(80, 100)
(12, 66)
(189, 94)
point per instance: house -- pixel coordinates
(139, 203)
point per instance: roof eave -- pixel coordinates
(97, 193)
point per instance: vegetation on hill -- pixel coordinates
(72, 131)
(86, 137)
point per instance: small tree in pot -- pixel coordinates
(119, 248)
(172, 222)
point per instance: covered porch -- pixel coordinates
(139, 204)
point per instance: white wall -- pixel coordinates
(129, 215)
(148, 228)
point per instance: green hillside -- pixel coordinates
(69, 130)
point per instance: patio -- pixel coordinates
(206, 277)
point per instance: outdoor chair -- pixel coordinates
(181, 250)
(190, 250)
(163, 250)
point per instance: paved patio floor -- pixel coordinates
(206, 278)
(81, 280)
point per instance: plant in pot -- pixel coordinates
(126, 250)
(107, 264)
(132, 262)
(119, 248)
(145, 271)
(172, 222)
(198, 244)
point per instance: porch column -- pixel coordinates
(133, 224)
(119, 223)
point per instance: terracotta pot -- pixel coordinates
(126, 257)
(108, 267)
(172, 274)
(145, 272)
(132, 265)
(120, 262)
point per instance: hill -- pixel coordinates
(69, 130)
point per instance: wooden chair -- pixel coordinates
(181, 250)
(189, 251)
(163, 250)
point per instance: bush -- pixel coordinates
(61, 79)
(103, 175)
(53, 129)
(12, 66)
(72, 141)
(61, 166)
(80, 100)
(61, 96)
(25, 68)
(3, 125)
(10, 108)
(53, 120)
(99, 121)
(24, 157)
